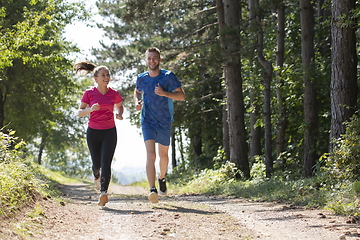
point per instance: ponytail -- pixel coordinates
(86, 67)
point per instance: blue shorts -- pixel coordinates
(161, 136)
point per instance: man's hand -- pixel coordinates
(138, 106)
(160, 91)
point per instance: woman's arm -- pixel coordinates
(120, 110)
(84, 109)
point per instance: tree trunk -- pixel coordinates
(225, 133)
(196, 144)
(41, 148)
(2, 109)
(310, 104)
(280, 56)
(229, 21)
(181, 150)
(267, 96)
(255, 131)
(173, 149)
(343, 78)
(324, 41)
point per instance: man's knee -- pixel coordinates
(151, 156)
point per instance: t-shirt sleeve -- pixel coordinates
(85, 98)
(138, 86)
(173, 82)
(118, 97)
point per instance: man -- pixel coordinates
(159, 88)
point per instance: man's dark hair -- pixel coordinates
(152, 49)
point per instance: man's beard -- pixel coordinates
(155, 67)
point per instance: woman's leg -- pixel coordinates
(108, 146)
(93, 138)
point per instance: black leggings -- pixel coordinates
(102, 145)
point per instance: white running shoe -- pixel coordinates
(97, 183)
(103, 199)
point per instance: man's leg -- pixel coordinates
(164, 160)
(150, 170)
(150, 162)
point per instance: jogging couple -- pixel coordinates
(153, 95)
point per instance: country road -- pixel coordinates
(129, 215)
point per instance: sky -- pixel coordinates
(130, 151)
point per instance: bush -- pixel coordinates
(212, 181)
(9, 147)
(345, 158)
(17, 184)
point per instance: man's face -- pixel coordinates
(153, 60)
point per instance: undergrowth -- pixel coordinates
(317, 192)
(22, 182)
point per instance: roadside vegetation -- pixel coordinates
(23, 182)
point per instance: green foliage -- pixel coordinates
(344, 161)
(186, 33)
(316, 192)
(344, 200)
(357, 188)
(9, 146)
(322, 191)
(22, 182)
(17, 187)
(212, 181)
(257, 171)
(38, 96)
(17, 184)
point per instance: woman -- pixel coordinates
(101, 132)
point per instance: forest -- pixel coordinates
(270, 84)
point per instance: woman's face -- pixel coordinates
(103, 77)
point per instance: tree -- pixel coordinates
(310, 103)
(36, 92)
(229, 24)
(344, 87)
(280, 59)
(254, 88)
(255, 11)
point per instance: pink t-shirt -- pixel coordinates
(104, 117)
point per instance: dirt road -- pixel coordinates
(129, 215)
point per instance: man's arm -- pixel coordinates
(178, 94)
(137, 100)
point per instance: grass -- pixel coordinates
(341, 197)
(22, 183)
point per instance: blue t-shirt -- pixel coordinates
(157, 111)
